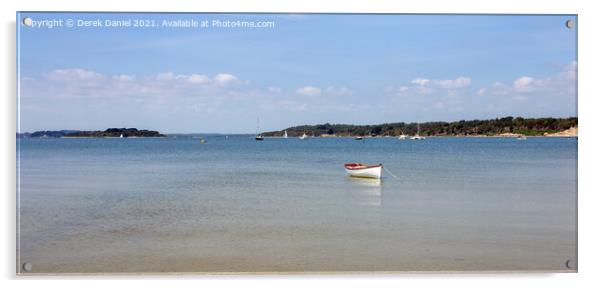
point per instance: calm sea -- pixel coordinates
(238, 205)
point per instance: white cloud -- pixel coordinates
(309, 91)
(160, 88)
(170, 91)
(548, 94)
(198, 79)
(221, 79)
(524, 84)
(338, 91)
(482, 91)
(74, 74)
(529, 84)
(224, 79)
(457, 83)
(428, 86)
(420, 81)
(552, 93)
(123, 77)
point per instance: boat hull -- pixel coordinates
(364, 171)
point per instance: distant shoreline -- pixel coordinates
(436, 136)
(562, 134)
(108, 133)
(498, 127)
(111, 137)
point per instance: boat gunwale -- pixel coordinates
(360, 166)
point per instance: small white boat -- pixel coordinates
(417, 136)
(303, 137)
(121, 135)
(402, 137)
(359, 138)
(521, 137)
(364, 171)
(285, 134)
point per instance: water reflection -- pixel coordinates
(365, 191)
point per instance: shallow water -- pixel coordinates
(239, 205)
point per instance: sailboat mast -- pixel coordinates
(258, 136)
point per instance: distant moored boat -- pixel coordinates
(363, 170)
(258, 136)
(417, 136)
(303, 137)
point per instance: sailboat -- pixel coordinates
(303, 137)
(258, 136)
(285, 134)
(417, 136)
(403, 137)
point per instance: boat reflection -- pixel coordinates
(365, 191)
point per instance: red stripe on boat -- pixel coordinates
(359, 166)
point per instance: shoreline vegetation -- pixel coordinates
(109, 133)
(499, 127)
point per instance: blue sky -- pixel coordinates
(308, 69)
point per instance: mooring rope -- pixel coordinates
(391, 173)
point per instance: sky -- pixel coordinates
(306, 69)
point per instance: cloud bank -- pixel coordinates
(57, 98)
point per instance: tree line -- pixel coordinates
(111, 132)
(491, 127)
